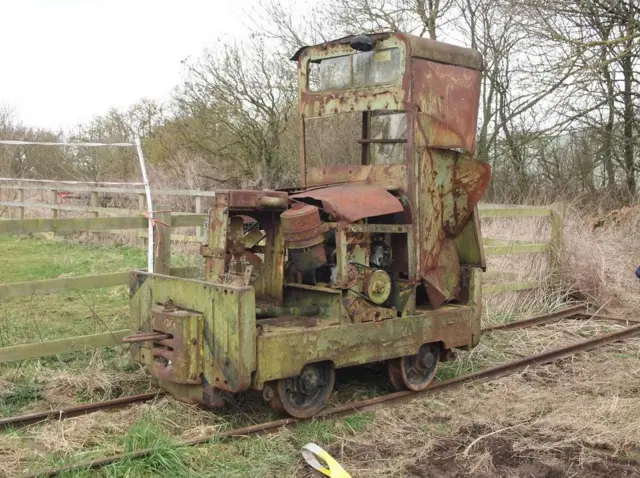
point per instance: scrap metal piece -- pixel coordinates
(352, 202)
(304, 237)
(145, 337)
(443, 281)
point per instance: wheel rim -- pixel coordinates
(395, 375)
(306, 394)
(418, 371)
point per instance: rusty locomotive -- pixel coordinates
(376, 256)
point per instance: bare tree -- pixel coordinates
(604, 38)
(241, 99)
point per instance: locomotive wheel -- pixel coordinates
(306, 394)
(414, 372)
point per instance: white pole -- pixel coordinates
(147, 191)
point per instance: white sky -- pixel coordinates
(66, 61)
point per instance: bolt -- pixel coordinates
(194, 341)
(268, 394)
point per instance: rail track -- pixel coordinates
(21, 421)
(631, 330)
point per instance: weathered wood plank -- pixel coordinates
(187, 219)
(509, 287)
(492, 241)
(110, 190)
(162, 246)
(174, 237)
(499, 275)
(53, 286)
(513, 211)
(32, 226)
(65, 207)
(53, 347)
(516, 249)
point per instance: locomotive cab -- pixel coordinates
(375, 256)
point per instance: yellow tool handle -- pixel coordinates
(334, 470)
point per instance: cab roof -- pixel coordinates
(417, 47)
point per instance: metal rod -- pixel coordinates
(11, 142)
(145, 337)
(147, 192)
(537, 319)
(381, 141)
(605, 318)
(49, 181)
(61, 414)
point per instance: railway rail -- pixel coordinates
(577, 312)
(21, 421)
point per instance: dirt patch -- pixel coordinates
(494, 457)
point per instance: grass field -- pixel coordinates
(579, 417)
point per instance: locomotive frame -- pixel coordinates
(378, 260)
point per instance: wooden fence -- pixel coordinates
(162, 265)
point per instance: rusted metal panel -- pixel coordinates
(346, 40)
(284, 355)
(447, 98)
(391, 177)
(177, 358)
(353, 202)
(249, 199)
(270, 282)
(228, 328)
(419, 47)
(215, 251)
(445, 207)
(443, 280)
(302, 226)
(469, 243)
(444, 53)
(390, 99)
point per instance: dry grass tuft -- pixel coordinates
(599, 264)
(5, 387)
(64, 388)
(576, 414)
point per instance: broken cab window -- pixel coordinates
(388, 132)
(355, 70)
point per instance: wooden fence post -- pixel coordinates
(21, 199)
(557, 238)
(53, 195)
(162, 244)
(198, 211)
(94, 202)
(53, 198)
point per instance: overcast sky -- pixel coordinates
(65, 61)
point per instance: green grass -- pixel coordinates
(31, 319)
(36, 318)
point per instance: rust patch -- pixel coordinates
(443, 281)
(353, 202)
(248, 199)
(448, 98)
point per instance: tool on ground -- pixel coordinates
(309, 453)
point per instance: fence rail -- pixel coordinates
(136, 220)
